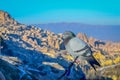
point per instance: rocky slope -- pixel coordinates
(5, 18)
(31, 53)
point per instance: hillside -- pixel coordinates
(32, 53)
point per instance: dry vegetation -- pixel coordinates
(106, 60)
(109, 70)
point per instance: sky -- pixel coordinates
(102, 12)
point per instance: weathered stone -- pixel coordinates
(9, 71)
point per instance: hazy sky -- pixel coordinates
(46, 11)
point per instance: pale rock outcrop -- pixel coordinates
(5, 18)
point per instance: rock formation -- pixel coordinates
(5, 18)
(31, 53)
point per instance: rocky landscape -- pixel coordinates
(31, 53)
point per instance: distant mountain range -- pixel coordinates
(102, 32)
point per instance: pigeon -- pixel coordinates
(77, 47)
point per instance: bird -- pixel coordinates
(78, 48)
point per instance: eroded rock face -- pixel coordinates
(83, 37)
(99, 45)
(5, 18)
